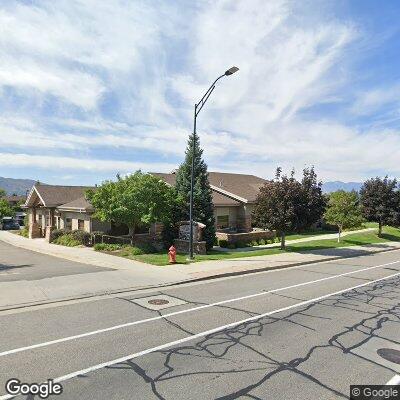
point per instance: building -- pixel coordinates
(234, 197)
(60, 207)
(65, 207)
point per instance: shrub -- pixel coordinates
(106, 247)
(240, 244)
(147, 248)
(67, 240)
(54, 235)
(223, 243)
(261, 242)
(231, 246)
(136, 251)
(254, 243)
(81, 236)
(24, 232)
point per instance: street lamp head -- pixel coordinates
(231, 71)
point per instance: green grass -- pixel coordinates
(311, 232)
(161, 258)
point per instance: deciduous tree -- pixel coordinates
(379, 200)
(311, 204)
(343, 210)
(5, 209)
(276, 204)
(134, 200)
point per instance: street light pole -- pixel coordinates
(197, 108)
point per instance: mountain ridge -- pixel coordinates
(16, 186)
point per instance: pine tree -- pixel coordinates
(203, 209)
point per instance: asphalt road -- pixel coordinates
(306, 332)
(20, 264)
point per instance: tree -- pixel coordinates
(134, 200)
(276, 204)
(379, 200)
(2, 193)
(5, 209)
(203, 209)
(311, 203)
(343, 210)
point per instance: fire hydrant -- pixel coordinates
(172, 254)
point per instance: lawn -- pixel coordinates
(389, 234)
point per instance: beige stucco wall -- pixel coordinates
(90, 224)
(231, 211)
(74, 217)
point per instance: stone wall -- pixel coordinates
(182, 246)
(245, 237)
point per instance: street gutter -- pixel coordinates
(186, 281)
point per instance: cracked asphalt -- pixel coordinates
(307, 332)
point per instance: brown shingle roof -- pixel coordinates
(240, 185)
(244, 185)
(54, 195)
(78, 204)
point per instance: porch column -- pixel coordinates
(50, 227)
(34, 230)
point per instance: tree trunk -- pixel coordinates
(283, 243)
(131, 230)
(339, 233)
(380, 228)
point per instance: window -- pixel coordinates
(222, 221)
(81, 224)
(68, 224)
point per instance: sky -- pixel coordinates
(89, 88)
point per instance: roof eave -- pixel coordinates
(229, 194)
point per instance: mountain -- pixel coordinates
(329, 187)
(17, 186)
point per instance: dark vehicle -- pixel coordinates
(9, 225)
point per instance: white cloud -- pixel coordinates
(73, 49)
(135, 69)
(79, 164)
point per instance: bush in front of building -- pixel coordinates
(107, 247)
(24, 232)
(81, 236)
(67, 240)
(54, 235)
(223, 243)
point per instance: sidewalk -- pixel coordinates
(301, 240)
(130, 275)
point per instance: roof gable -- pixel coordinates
(237, 187)
(55, 195)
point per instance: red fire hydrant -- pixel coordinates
(172, 254)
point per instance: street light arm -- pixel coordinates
(207, 94)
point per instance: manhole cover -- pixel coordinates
(158, 302)
(391, 355)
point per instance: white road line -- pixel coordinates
(394, 381)
(204, 333)
(193, 309)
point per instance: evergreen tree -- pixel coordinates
(203, 209)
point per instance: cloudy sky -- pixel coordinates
(90, 88)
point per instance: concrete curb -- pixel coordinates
(182, 282)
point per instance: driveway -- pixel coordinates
(17, 264)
